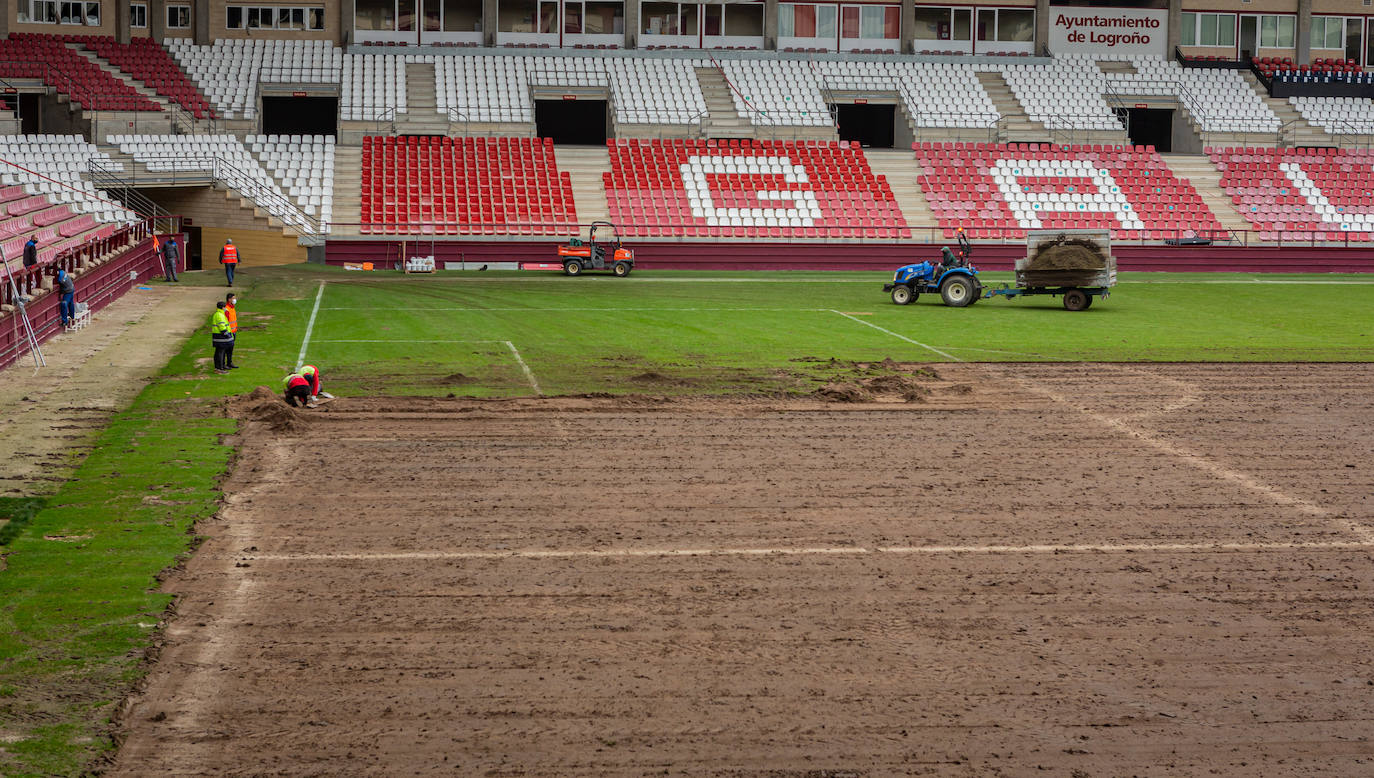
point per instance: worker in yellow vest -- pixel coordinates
(231, 314)
(221, 338)
(229, 257)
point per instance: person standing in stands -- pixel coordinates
(221, 338)
(229, 257)
(231, 314)
(66, 304)
(170, 255)
(31, 253)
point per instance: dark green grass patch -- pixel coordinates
(15, 514)
(78, 599)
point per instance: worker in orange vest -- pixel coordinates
(229, 257)
(232, 315)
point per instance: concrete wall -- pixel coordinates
(220, 217)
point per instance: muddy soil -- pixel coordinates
(1085, 570)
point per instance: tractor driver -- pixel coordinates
(947, 259)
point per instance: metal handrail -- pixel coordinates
(439, 230)
(221, 171)
(111, 180)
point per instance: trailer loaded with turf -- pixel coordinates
(1076, 265)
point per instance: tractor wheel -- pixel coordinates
(572, 267)
(621, 269)
(958, 292)
(1076, 300)
(903, 294)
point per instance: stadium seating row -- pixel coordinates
(468, 186)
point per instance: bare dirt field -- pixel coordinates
(1089, 570)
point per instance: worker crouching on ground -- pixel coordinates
(298, 391)
(312, 374)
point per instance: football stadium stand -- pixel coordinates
(464, 186)
(1301, 194)
(1003, 190)
(748, 189)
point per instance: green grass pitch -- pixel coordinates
(468, 334)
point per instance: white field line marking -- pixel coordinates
(309, 328)
(382, 340)
(613, 553)
(1198, 461)
(650, 309)
(529, 374)
(944, 354)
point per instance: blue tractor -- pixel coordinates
(954, 278)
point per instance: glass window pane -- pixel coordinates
(658, 18)
(433, 18)
(1016, 25)
(284, 18)
(849, 22)
(963, 24)
(1187, 36)
(1208, 35)
(689, 19)
(714, 14)
(1269, 31)
(805, 21)
(462, 15)
(872, 19)
(405, 15)
(1286, 36)
(605, 17)
(375, 15)
(744, 20)
(548, 17)
(786, 20)
(1333, 33)
(931, 24)
(987, 24)
(1226, 29)
(233, 17)
(93, 14)
(516, 15)
(825, 22)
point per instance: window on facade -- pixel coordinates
(516, 15)
(548, 18)
(405, 15)
(1015, 25)
(932, 24)
(744, 20)
(178, 17)
(376, 14)
(238, 17)
(659, 18)
(963, 24)
(1208, 30)
(1276, 32)
(462, 16)
(604, 17)
(1328, 32)
(712, 17)
(798, 20)
(138, 15)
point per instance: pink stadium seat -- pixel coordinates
(464, 186)
(46, 57)
(747, 189)
(1301, 194)
(1004, 190)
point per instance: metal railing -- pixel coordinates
(983, 128)
(263, 194)
(854, 232)
(383, 117)
(1079, 128)
(105, 177)
(1349, 133)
